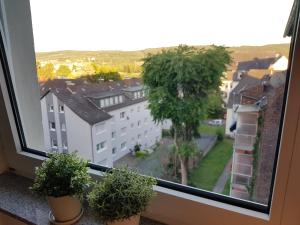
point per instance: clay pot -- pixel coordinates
(134, 220)
(64, 208)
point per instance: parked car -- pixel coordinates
(217, 122)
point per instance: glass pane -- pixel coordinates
(211, 114)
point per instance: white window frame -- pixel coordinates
(53, 145)
(61, 109)
(51, 108)
(63, 127)
(51, 127)
(100, 147)
(124, 147)
(169, 206)
(122, 115)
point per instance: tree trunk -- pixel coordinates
(184, 170)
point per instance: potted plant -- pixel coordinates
(121, 197)
(62, 179)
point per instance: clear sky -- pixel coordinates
(139, 24)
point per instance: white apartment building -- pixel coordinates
(102, 121)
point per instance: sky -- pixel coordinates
(139, 24)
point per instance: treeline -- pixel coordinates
(92, 71)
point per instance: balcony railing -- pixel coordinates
(242, 169)
(240, 180)
(240, 194)
(244, 142)
(247, 118)
(243, 158)
(247, 129)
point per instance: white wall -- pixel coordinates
(78, 134)
(45, 124)
(230, 118)
(131, 136)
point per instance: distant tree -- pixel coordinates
(179, 81)
(45, 72)
(63, 71)
(103, 76)
(215, 105)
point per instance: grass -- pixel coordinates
(208, 129)
(226, 189)
(211, 167)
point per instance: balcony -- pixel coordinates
(242, 169)
(247, 129)
(243, 158)
(240, 180)
(244, 142)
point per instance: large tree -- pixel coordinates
(63, 71)
(45, 72)
(179, 81)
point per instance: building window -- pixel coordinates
(122, 115)
(123, 146)
(116, 100)
(106, 102)
(120, 98)
(52, 126)
(139, 123)
(63, 127)
(65, 145)
(102, 103)
(61, 109)
(101, 146)
(113, 134)
(54, 143)
(100, 128)
(114, 150)
(51, 108)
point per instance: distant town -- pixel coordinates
(96, 103)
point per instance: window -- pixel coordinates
(52, 126)
(61, 109)
(123, 146)
(111, 100)
(102, 103)
(101, 146)
(241, 140)
(65, 146)
(139, 123)
(120, 99)
(63, 127)
(100, 128)
(116, 100)
(135, 95)
(122, 115)
(107, 102)
(51, 108)
(114, 150)
(54, 143)
(113, 134)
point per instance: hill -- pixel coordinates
(115, 57)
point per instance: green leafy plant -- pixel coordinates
(137, 148)
(220, 134)
(141, 154)
(122, 193)
(62, 175)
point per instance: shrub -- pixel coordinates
(220, 134)
(137, 148)
(62, 175)
(121, 194)
(141, 154)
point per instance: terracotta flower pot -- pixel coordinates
(64, 208)
(134, 220)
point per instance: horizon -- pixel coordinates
(116, 50)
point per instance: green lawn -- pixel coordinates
(212, 165)
(226, 189)
(208, 129)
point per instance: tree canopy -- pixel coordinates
(179, 83)
(180, 80)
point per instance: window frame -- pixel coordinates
(286, 165)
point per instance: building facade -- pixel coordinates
(102, 122)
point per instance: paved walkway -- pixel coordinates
(219, 187)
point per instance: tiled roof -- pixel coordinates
(255, 64)
(79, 94)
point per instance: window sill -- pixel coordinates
(14, 194)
